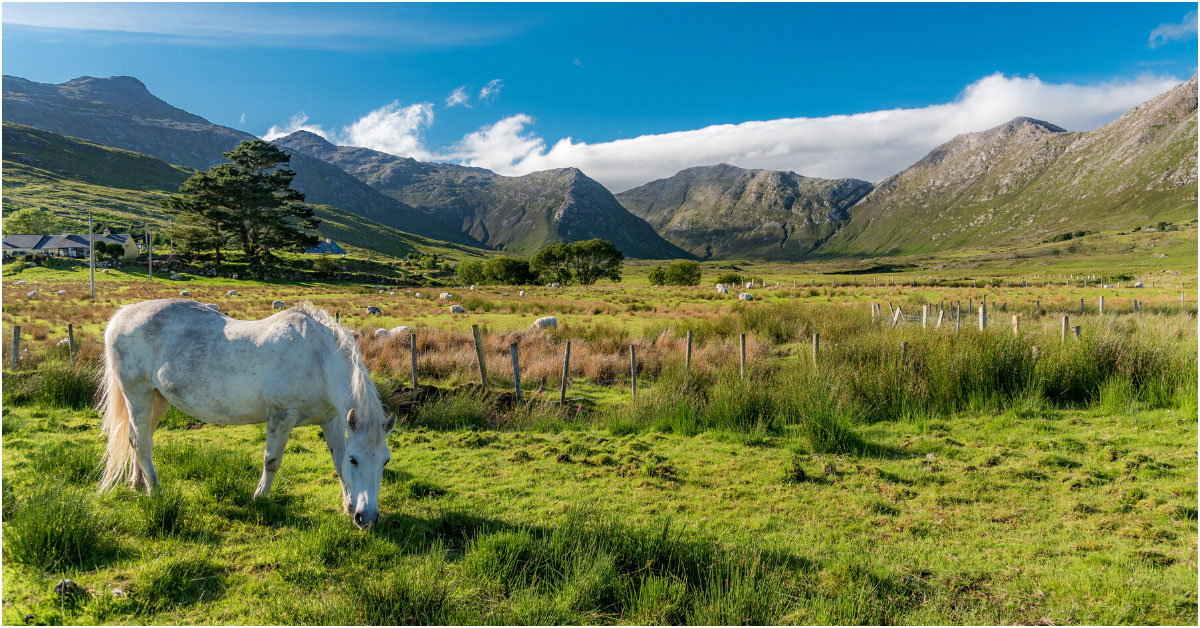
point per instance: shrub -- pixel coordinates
(56, 528)
(683, 273)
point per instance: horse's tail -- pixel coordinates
(119, 457)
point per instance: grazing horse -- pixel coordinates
(298, 367)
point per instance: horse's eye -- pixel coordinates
(354, 461)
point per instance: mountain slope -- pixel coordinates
(120, 112)
(520, 214)
(724, 211)
(1028, 180)
(70, 177)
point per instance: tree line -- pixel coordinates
(584, 263)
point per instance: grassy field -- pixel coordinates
(961, 481)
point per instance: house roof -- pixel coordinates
(326, 246)
(37, 241)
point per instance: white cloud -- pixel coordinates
(242, 119)
(393, 128)
(458, 97)
(491, 89)
(299, 122)
(869, 145)
(1184, 30)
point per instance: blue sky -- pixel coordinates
(610, 76)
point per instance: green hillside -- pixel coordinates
(70, 177)
(1027, 181)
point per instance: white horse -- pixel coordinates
(298, 367)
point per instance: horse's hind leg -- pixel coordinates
(279, 427)
(146, 409)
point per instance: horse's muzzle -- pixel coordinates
(362, 522)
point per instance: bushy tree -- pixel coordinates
(326, 266)
(31, 221)
(551, 264)
(658, 276)
(584, 262)
(509, 271)
(683, 273)
(250, 199)
(469, 273)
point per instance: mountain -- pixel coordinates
(723, 211)
(70, 177)
(520, 214)
(1027, 180)
(120, 112)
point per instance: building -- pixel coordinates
(65, 245)
(326, 247)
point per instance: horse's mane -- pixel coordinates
(362, 389)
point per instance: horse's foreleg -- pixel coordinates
(334, 431)
(278, 430)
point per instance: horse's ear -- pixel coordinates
(390, 424)
(351, 420)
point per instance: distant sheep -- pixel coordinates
(503, 294)
(521, 293)
(231, 293)
(1107, 286)
(185, 293)
(418, 295)
(104, 270)
(555, 285)
(445, 296)
(61, 292)
(745, 296)
(32, 294)
(381, 332)
(472, 287)
(1139, 285)
(749, 285)
(722, 289)
(400, 330)
(212, 306)
(20, 282)
(456, 309)
(545, 322)
(278, 305)
(176, 276)
(374, 311)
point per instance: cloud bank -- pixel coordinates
(870, 145)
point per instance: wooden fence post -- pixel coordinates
(16, 346)
(412, 348)
(479, 354)
(633, 371)
(1016, 325)
(1077, 331)
(512, 347)
(903, 350)
(1081, 307)
(957, 318)
(982, 317)
(1037, 308)
(566, 374)
(1035, 353)
(71, 341)
(941, 313)
(743, 353)
(925, 316)
(816, 347)
(1102, 305)
(1066, 324)
(687, 354)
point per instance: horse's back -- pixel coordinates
(217, 368)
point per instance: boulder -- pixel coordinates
(372, 310)
(381, 332)
(401, 330)
(745, 296)
(456, 309)
(278, 305)
(231, 293)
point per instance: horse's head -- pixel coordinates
(362, 470)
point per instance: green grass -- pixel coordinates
(1071, 517)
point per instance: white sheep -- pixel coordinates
(278, 305)
(381, 332)
(417, 295)
(231, 293)
(722, 289)
(401, 330)
(555, 285)
(1139, 285)
(445, 296)
(456, 309)
(545, 322)
(1107, 286)
(745, 296)
(521, 293)
(503, 294)
(749, 285)
(61, 292)
(32, 294)
(374, 310)
(472, 286)
(20, 282)
(185, 293)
